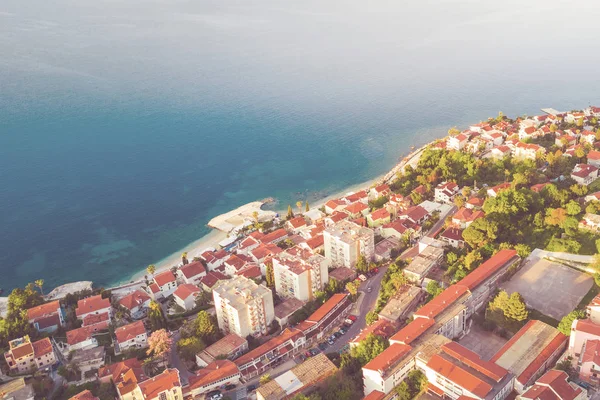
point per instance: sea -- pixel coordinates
(125, 126)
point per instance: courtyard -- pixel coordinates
(482, 342)
(550, 287)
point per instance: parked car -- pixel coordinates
(343, 330)
(369, 289)
(337, 334)
(322, 346)
(331, 342)
(307, 353)
(348, 321)
(362, 277)
(314, 352)
(352, 318)
(230, 387)
(214, 395)
(251, 388)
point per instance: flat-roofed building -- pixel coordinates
(303, 378)
(531, 352)
(345, 242)
(285, 309)
(243, 307)
(230, 346)
(420, 266)
(330, 314)
(401, 304)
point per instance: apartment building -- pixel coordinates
(345, 241)
(299, 273)
(243, 307)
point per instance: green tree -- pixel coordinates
(516, 308)
(40, 284)
(403, 391)
(500, 302)
(299, 205)
(189, 347)
(290, 212)
(480, 232)
(573, 208)
(155, 316)
(371, 317)
(434, 288)
(362, 266)
(523, 250)
(352, 288)
(264, 379)
(556, 216)
(565, 323)
(369, 348)
(306, 206)
(453, 131)
(151, 269)
(270, 274)
(473, 259)
(206, 327)
(597, 279)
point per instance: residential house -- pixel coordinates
(554, 385)
(593, 158)
(94, 310)
(589, 363)
(164, 386)
(416, 215)
(335, 205)
(211, 279)
(296, 224)
(24, 356)
(315, 244)
(584, 174)
(378, 218)
(397, 203)
(445, 192)
(475, 203)
(539, 187)
(235, 263)
(499, 152)
(399, 228)
(527, 151)
(457, 142)
(565, 140)
(453, 236)
(593, 310)
(357, 210)
(493, 191)
(88, 360)
(582, 331)
(274, 237)
(193, 272)
(420, 265)
(214, 259)
(81, 338)
(166, 282)
(360, 196)
(464, 217)
(587, 136)
(46, 317)
(590, 222)
(382, 328)
(136, 303)
(378, 191)
(131, 336)
(185, 296)
(247, 245)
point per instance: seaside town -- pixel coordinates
(470, 271)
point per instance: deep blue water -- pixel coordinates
(126, 126)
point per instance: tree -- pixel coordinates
(459, 201)
(573, 208)
(453, 131)
(189, 347)
(565, 323)
(255, 216)
(159, 344)
(206, 328)
(480, 232)
(434, 288)
(579, 190)
(473, 259)
(151, 269)
(371, 317)
(597, 279)
(500, 302)
(306, 206)
(299, 205)
(362, 266)
(523, 250)
(40, 284)
(553, 128)
(516, 308)
(403, 391)
(290, 213)
(352, 288)
(266, 378)
(270, 274)
(556, 216)
(184, 259)
(369, 348)
(155, 315)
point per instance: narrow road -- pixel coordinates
(177, 362)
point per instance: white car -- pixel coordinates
(362, 277)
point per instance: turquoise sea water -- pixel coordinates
(126, 126)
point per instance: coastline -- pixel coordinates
(212, 238)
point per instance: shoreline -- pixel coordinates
(211, 239)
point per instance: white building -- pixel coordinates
(185, 296)
(345, 241)
(584, 174)
(243, 307)
(445, 192)
(132, 336)
(166, 282)
(299, 273)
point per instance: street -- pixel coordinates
(177, 362)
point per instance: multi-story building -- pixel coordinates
(25, 356)
(94, 310)
(164, 386)
(130, 336)
(46, 317)
(243, 307)
(299, 273)
(345, 241)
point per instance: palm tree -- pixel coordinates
(151, 269)
(40, 283)
(299, 205)
(255, 216)
(184, 259)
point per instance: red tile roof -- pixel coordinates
(211, 278)
(95, 319)
(333, 204)
(167, 380)
(388, 358)
(43, 310)
(164, 277)
(85, 395)
(375, 395)
(270, 345)
(592, 352)
(441, 302)
(382, 213)
(356, 208)
(498, 188)
(584, 170)
(274, 236)
(92, 304)
(42, 347)
(134, 299)
(297, 222)
(212, 373)
(459, 376)
(250, 271)
(587, 326)
(416, 213)
(558, 341)
(116, 370)
(593, 155)
(79, 335)
(471, 359)
(315, 242)
(539, 187)
(186, 290)
(192, 269)
(488, 268)
(467, 214)
(130, 331)
(327, 307)
(555, 382)
(248, 242)
(413, 330)
(382, 328)
(236, 262)
(338, 216)
(453, 233)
